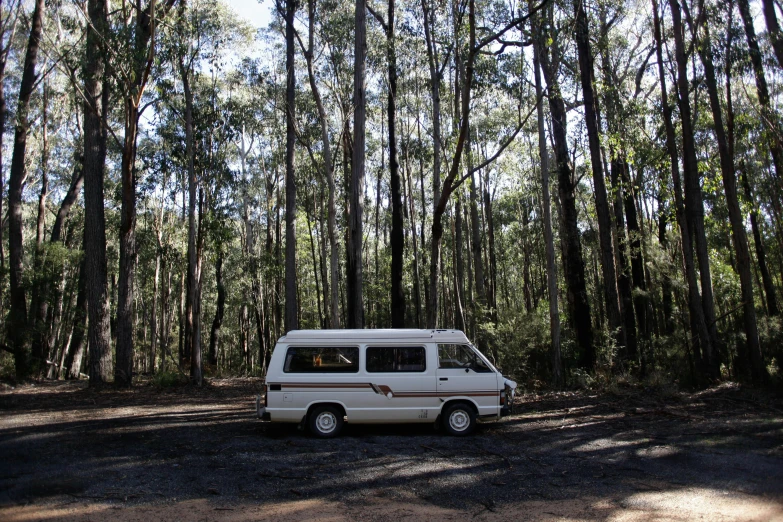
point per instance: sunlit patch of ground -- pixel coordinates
(678, 505)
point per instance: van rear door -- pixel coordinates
(462, 373)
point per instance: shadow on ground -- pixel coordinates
(67, 449)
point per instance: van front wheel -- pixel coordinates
(326, 422)
(459, 419)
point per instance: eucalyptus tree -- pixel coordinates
(694, 204)
(96, 101)
(585, 56)
(291, 304)
(551, 267)
(328, 167)
(573, 261)
(701, 34)
(698, 322)
(17, 315)
(9, 16)
(355, 279)
(397, 234)
(196, 50)
(138, 47)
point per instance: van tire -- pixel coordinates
(459, 419)
(325, 421)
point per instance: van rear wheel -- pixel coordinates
(459, 419)
(325, 422)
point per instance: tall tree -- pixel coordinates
(142, 54)
(701, 31)
(192, 340)
(355, 305)
(551, 267)
(435, 81)
(331, 221)
(291, 305)
(96, 94)
(17, 315)
(694, 204)
(697, 318)
(573, 263)
(8, 20)
(397, 232)
(599, 184)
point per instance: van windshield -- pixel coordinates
(461, 356)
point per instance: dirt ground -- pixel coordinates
(70, 453)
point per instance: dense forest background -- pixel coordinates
(587, 188)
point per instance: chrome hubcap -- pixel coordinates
(459, 420)
(326, 422)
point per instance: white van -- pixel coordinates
(323, 378)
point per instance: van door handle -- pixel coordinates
(444, 378)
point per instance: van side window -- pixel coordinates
(396, 359)
(460, 356)
(331, 359)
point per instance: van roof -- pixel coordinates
(375, 335)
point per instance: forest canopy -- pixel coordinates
(587, 188)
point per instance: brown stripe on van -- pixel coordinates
(385, 389)
(308, 385)
(407, 395)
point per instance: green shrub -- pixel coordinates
(170, 379)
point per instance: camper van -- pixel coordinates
(324, 378)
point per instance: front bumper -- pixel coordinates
(261, 410)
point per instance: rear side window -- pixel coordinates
(396, 359)
(331, 359)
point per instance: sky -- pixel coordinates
(255, 11)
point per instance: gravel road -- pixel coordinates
(70, 453)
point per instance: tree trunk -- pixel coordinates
(17, 316)
(459, 262)
(573, 264)
(771, 119)
(334, 288)
(191, 346)
(599, 185)
(773, 29)
(697, 319)
(431, 289)
(694, 206)
(217, 322)
(291, 318)
(397, 234)
(155, 290)
(73, 359)
(140, 64)
(640, 299)
(123, 368)
(475, 230)
(5, 40)
(39, 302)
(416, 261)
(551, 267)
(96, 91)
(761, 254)
(739, 237)
(355, 293)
